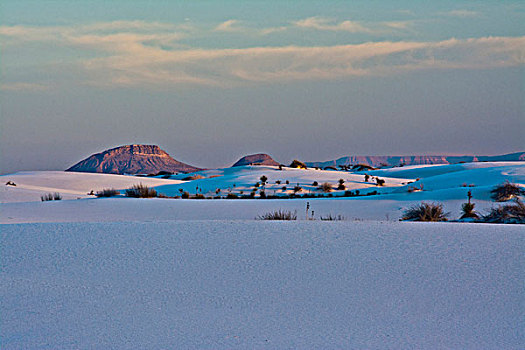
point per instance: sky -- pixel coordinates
(212, 81)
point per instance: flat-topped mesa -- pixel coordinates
(256, 159)
(132, 159)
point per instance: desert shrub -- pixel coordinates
(107, 192)
(362, 167)
(263, 179)
(10, 183)
(193, 177)
(164, 173)
(279, 215)
(325, 187)
(51, 197)
(380, 182)
(140, 191)
(467, 210)
(278, 182)
(185, 195)
(331, 217)
(330, 168)
(199, 196)
(506, 191)
(426, 212)
(507, 214)
(257, 185)
(297, 189)
(262, 194)
(341, 186)
(315, 184)
(232, 196)
(298, 164)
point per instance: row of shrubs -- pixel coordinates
(512, 213)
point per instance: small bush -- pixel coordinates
(468, 211)
(199, 196)
(10, 183)
(380, 182)
(425, 212)
(325, 187)
(263, 179)
(107, 192)
(507, 214)
(279, 215)
(232, 196)
(140, 191)
(262, 194)
(341, 186)
(297, 189)
(331, 217)
(185, 195)
(51, 197)
(506, 191)
(315, 184)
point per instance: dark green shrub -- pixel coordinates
(140, 191)
(107, 192)
(315, 184)
(279, 215)
(425, 212)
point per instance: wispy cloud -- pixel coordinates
(320, 23)
(231, 25)
(461, 13)
(156, 59)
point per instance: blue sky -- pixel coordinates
(211, 81)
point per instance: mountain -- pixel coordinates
(256, 159)
(377, 161)
(132, 159)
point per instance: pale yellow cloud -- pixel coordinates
(320, 23)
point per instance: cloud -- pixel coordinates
(229, 26)
(461, 13)
(155, 59)
(320, 23)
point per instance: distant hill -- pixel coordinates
(132, 159)
(256, 159)
(378, 161)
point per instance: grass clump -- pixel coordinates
(107, 192)
(279, 215)
(331, 217)
(425, 212)
(51, 197)
(141, 191)
(506, 191)
(507, 214)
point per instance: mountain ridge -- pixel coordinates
(377, 161)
